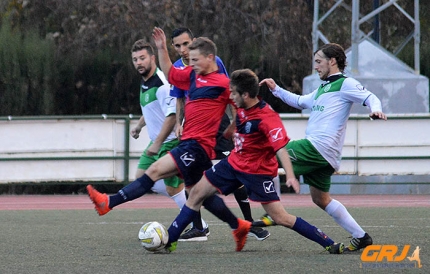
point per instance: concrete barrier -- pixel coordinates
(393, 155)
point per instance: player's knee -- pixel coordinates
(286, 220)
(321, 202)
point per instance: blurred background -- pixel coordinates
(60, 57)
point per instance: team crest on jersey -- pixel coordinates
(269, 187)
(276, 134)
(248, 127)
(327, 88)
(187, 159)
(146, 97)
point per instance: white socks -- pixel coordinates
(341, 215)
(160, 188)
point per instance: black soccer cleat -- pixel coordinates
(359, 243)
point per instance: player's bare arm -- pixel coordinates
(292, 181)
(168, 125)
(180, 106)
(135, 132)
(163, 55)
(229, 131)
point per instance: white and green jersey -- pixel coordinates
(156, 104)
(330, 106)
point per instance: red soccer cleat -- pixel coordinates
(241, 233)
(100, 200)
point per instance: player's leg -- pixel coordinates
(198, 232)
(282, 217)
(242, 199)
(190, 209)
(162, 168)
(341, 216)
(191, 169)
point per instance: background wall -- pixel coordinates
(378, 157)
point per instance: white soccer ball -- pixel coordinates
(153, 236)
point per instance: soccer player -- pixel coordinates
(159, 116)
(318, 155)
(208, 96)
(181, 38)
(260, 136)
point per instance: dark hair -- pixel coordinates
(181, 30)
(336, 51)
(141, 45)
(205, 45)
(245, 80)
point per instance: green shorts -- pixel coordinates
(309, 163)
(145, 161)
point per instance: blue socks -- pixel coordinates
(312, 233)
(185, 217)
(215, 205)
(132, 191)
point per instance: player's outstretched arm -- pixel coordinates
(163, 55)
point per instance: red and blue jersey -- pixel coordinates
(208, 96)
(180, 93)
(259, 135)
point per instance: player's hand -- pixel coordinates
(377, 115)
(153, 149)
(271, 84)
(178, 131)
(294, 183)
(135, 132)
(159, 38)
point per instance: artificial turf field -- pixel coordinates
(79, 241)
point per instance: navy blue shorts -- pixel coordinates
(191, 160)
(226, 179)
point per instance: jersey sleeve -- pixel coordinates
(355, 92)
(167, 102)
(180, 77)
(275, 132)
(177, 92)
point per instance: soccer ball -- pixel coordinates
(153, 236)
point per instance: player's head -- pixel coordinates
(181, 39)
(329, 59)
(142, 55)
(202, 55)
(243, 84)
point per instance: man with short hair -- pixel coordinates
(181, 38)
(318, 155)
(159, 116)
